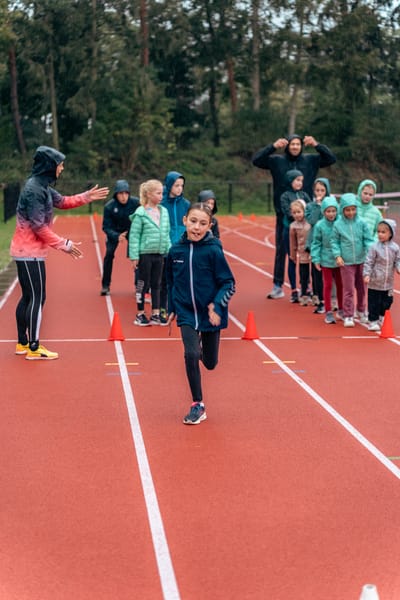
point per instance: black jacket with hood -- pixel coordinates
(279, 164)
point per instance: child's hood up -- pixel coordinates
(46, 160)
(325, 182)
(205, 195)
(169, 181)
(392, 226)
(348, 199)
(290, 176)
(362, 186)
(328, 202)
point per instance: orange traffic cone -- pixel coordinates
(251, 329)
(252, 217)
(116, 330)
(240, 216)
(387, 327)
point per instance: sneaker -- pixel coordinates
(304, 300)
(330, 318)
(21, 348)
(40, 354)
(348, 322)
(374, 326)
(141, 320)
(155, 320)
(362, 317)
(277, 292)
(294, 298)
(105, 291)
(340, 314)
(315, 300)
(320, 310)
(196, 415)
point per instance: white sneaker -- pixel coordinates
(362, 317)
(374, 326)
(277, 292)
(348, 322)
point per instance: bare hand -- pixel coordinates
(340, 261)
(366, 279)
(75, 252)
(134, 264)
(309, 140)
(96, 193)
(122, 236)
(212, 315)
(317, 266)
(280, 143)
(171, 317)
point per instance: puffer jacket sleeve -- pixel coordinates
(135, 234)
(225, 282)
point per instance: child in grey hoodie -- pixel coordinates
(383, 259)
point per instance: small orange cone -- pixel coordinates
(251, 329)
(252, 217)
(240, 216)
(116, 330)
(387, 327)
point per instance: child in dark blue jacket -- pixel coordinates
(200, 285)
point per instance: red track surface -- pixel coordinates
(286, 492)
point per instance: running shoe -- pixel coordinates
(105, 291)
(294, 297)
(155, 320)
(363, 317)
(41, 354)
(141, 320)
(196, 415)
(21, 348)
(320, 309)
(276, 292)
(330, 318)
(374, 326)
(348, 322)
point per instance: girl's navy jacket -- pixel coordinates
(198, 274)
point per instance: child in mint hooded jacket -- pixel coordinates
(368, 211)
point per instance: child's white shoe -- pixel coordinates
(348, 322)
(374, 326)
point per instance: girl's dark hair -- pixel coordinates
(200, 206)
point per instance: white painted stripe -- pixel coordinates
(325, 405)
(163, 558)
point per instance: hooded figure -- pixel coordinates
(177, 206)
(321, 251)
(382, 260)
(367, 210)
(290, 195)
(351, 238)
(208, 197)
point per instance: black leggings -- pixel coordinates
(32, 279)
(149, 277)
(199, 345)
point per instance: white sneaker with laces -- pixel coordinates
(277, 292)
(348, 322)
(374, 326)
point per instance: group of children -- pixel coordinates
(342, 250)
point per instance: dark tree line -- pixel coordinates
(126, 87)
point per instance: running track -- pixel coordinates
(290, 489)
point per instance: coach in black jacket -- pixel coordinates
(278, 165)
(116, 225)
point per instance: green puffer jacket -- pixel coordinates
(145, 236)
(369, 212)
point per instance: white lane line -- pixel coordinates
(160, 544)
(327, 407)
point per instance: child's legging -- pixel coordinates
(32, 279)
(379, 301)
(291, 264)
(304, 271)
(352, 277)
(317, 285)
(199, 345)
(149, 277)
(328, 275)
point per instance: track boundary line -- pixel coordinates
(354, 432)
(163, 558)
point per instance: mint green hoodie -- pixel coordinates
(369, 212)
(351, 238)
(321, 251)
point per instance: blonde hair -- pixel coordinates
(298, 204)
(146, 187)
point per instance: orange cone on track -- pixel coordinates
(369, 592)
(240, 216)
(251, 329)
(387, 327)
(116, 330)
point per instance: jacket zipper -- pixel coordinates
(196, 320)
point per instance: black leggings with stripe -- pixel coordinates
(32, 279)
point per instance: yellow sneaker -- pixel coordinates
(41, 354)
(21, 348)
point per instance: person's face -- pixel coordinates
(122, 197)
(177, 188)
(330, 213)
(297, 213)
(384, 232)
(295, 147)
(367, 193)
(297, 183)
(211, 203)
(197, 223)
(319, 191)
(59, 169)
(350, 212)
(154, 196)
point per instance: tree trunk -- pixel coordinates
(53, 102)
(14, 99)
(93, 70)
(144, 29)
(255, 52)
(293, 109)
(232, 84)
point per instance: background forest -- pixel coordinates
(134, 88)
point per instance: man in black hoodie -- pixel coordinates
(278, 165)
